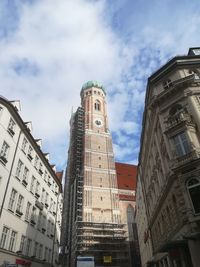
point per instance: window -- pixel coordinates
(33, 216)
(35, 249)
(49, 255)
(47, 199)
(97, 105)
(25, 176)
(4, 152)
(167, 84)
(36, 162)
(181, 144)
(40, 251)
(45, 176)
(32, 184)
(28, 247)
(30, 153)
(49, 180)
(22, 243)
(11, 127)
(12, 200)
(12, 241)
(44, 223)
(48, 227)
(20, 204)
(24, 145)
(19, 169)
(41, 169)
(45, 253)
(193, 186)
(4, 237)
(28, 210)
(43, 195)
(39, 223)
(37, 189)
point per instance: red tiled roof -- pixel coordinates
(59, 175)
(126, 176)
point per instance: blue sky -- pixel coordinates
(49, 48)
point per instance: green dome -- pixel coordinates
(92, 83)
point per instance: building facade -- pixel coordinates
(29, 195)
(93, 224)
(169, 162)
(126, 180)
(144, 235)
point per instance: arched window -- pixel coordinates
(193, 187)
(97, 105)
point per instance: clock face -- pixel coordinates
(98, 122)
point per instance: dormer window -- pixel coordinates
(167, 84)
(97, 105)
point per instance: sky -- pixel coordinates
(49, 49)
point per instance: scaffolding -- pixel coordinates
(87, 238)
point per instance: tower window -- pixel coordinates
(97, 105)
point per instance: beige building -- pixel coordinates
(91, 201)
(169, 162)
(29, 195)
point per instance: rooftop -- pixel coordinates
(126, 176)
(92, 83)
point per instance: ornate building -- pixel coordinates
(169, 162)
(92, 220)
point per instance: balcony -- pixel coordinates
(185, 159)
(178, 119)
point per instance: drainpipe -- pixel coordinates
(10, 173)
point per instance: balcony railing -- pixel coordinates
(182, 160)
(177, 119)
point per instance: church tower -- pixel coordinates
(94, 223)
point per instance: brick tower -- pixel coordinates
(94, 220)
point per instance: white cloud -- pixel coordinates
(71, 42)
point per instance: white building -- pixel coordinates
(30, 197)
